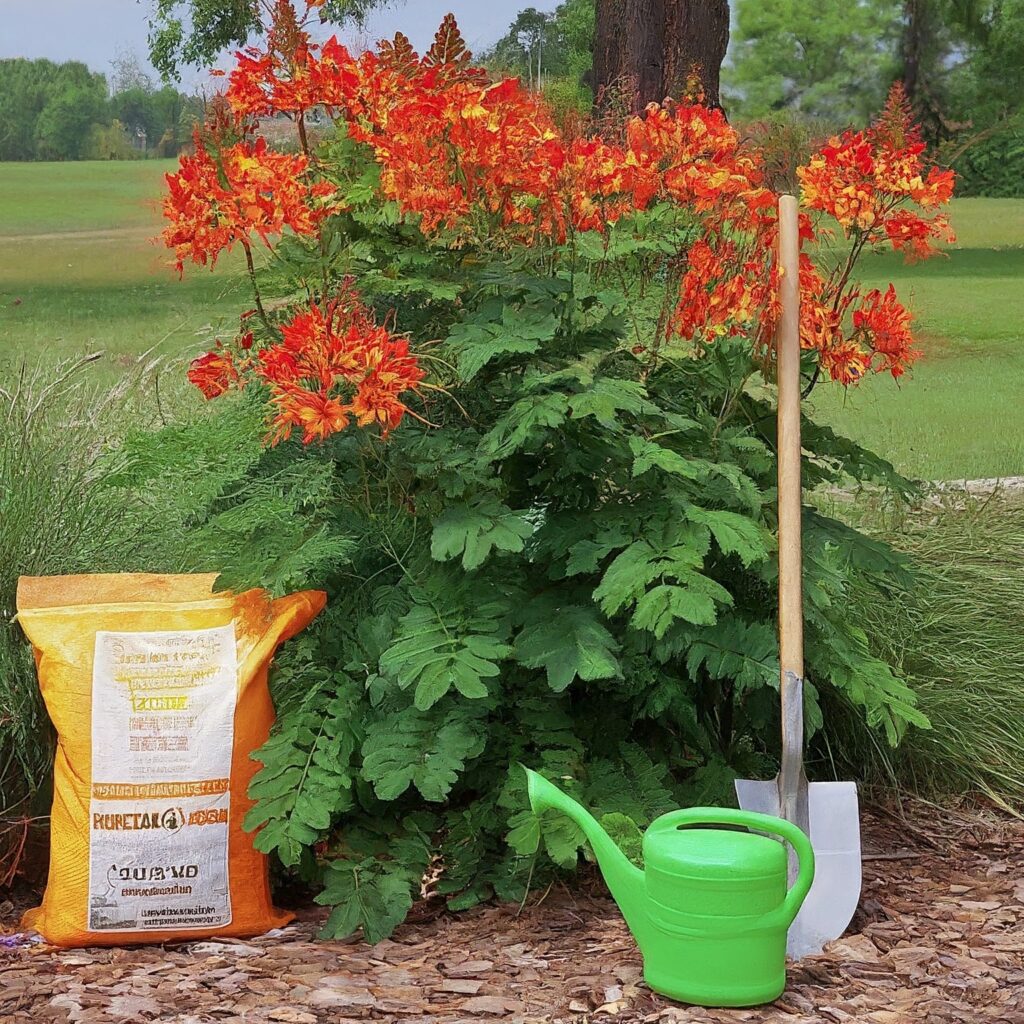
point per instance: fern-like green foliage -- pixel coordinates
(566, 560)
(408, 748)
(307, 777)
(434, 652)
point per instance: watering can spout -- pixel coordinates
(624, 880)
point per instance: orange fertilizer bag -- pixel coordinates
(157, 687)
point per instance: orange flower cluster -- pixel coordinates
(482, 161)
(864, 180)
(333, 366)
(290, 76)
(722, 293)
(884, 325)
(451, 144)
(245, 189)
(214, 373)
(852, 332)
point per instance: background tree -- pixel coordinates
(48, 108)
(972, 99)
(649, 49)
(24, 85)
(193, 32)
(833, 59)
(64, 125)
(961, 63)
(65, 112)
(530, 47)
(127, 72)
(938, 36)
(561, 43)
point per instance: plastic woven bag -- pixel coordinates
(158, 691)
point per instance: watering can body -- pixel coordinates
(710, 909)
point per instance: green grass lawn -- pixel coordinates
(88, 195)
(959, 413)
(80, 271)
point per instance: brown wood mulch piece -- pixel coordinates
(939, 938)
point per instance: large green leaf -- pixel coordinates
(363, 896)
(562, 837)
(695, 602)
(607, 397)
(410, 748)
(734, 534)
(475, 531)
(568, 642)
(306, 778)
(517, 332)
(674, 556)
(627, 578)
(434, 652)
(647, 455)
(527, 418)
(745, 653)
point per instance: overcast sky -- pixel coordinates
(94, 31)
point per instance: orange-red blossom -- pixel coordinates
(333, 366)
(216, 200)
(865, 180)
(476, 161)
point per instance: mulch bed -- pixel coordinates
(939, 939)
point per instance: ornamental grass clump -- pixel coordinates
(517, 424)
(59, 515)
(955, 635)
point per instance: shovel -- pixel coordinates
(827, 812)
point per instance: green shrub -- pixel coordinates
(572, 566)
(541, 500)
(110, 142)
(568, 97)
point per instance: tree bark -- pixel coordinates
(646, 50)
(911, 46)
(696, 36)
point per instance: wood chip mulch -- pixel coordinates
(939, 939)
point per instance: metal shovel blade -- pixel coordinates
(834, 831)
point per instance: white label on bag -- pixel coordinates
(163, 709)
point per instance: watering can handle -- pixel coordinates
(762, 823)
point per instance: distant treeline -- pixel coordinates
(67, 112)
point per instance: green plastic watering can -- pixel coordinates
(710, 908)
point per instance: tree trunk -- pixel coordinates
(696, 38)
(646, 50)
(911, 46)
(923, 51)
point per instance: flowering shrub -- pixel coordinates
(484, 161)
(511, 425)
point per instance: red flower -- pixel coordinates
(214, 373)
(472, 161)
(870, 181)
(332, 365)
(249, 189)
(883, 320)
(316, 414)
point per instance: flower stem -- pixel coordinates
(256, 288)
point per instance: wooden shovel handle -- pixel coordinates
(791, 634)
